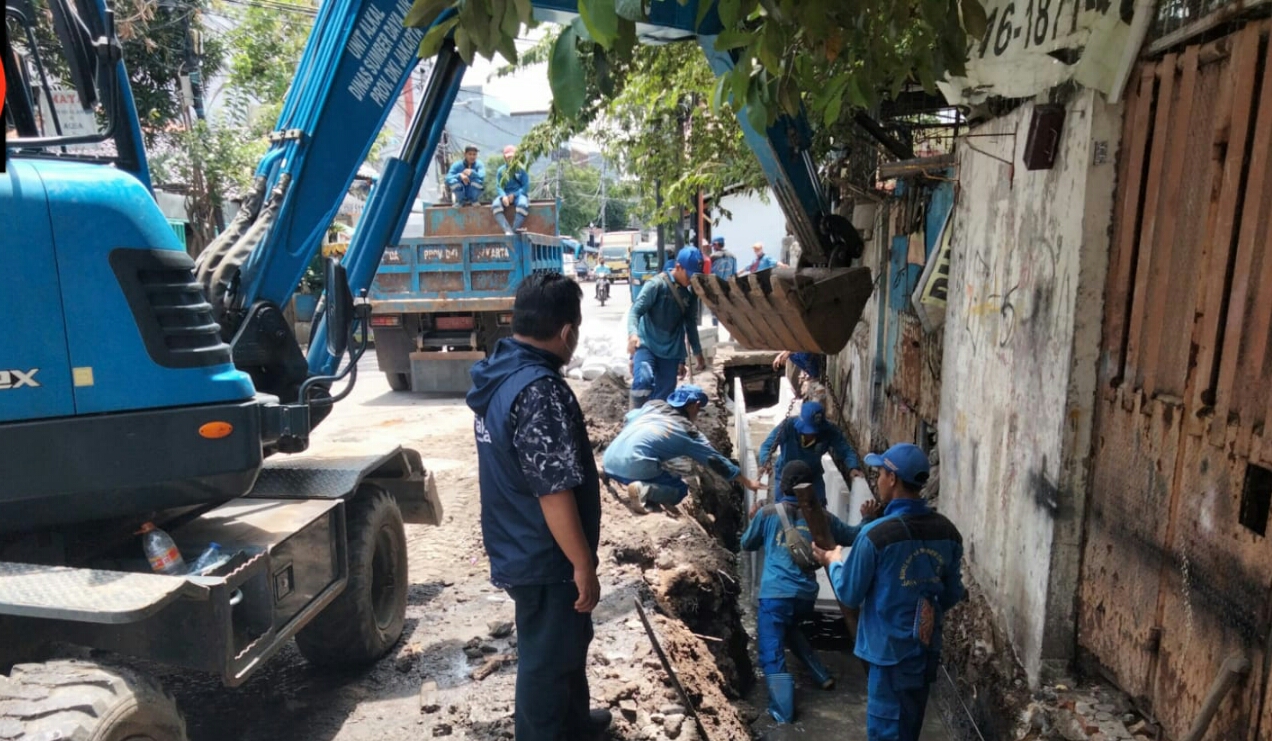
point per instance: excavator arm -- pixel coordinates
(356, 61)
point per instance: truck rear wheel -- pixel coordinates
(399, 381)
(364, 622)
(83, 700)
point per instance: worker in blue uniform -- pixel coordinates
(761, 261)
(467, 178)
(903, 573)
(651, 454)
(807, 438)
(663, 316)
(723, 266)
(788, 589)
(512, 187)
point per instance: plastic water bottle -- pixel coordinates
(161, 551)
(213, 557)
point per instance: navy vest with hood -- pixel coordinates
(521, 547)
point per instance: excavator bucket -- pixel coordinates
(809, 310)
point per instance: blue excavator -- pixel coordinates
(140, 388)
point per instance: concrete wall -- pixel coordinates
(859, 382)
(1022, 332)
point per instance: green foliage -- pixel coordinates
(154, 44)
(217, 158)
(581, 198)
(665, 131)
(818, 54)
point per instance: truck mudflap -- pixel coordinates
(809, 310)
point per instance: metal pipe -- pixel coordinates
(1233, 669)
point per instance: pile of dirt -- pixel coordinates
(604, 402)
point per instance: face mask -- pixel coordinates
(571, 340)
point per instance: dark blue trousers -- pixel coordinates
(652, 377)
(897, 698)
(552, 701)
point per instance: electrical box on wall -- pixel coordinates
(1043, 142)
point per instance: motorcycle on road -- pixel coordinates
(602, 284)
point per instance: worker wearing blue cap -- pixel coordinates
(663, 316)
(903, 573)
(723, 266)
(807, 438)
(788, 588)
(651, 453)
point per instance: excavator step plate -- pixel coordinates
(87, 595)
(810, 310)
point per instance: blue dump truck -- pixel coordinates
(440, 302)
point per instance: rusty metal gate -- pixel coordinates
(1177, 565)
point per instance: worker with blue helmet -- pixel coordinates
(663, 317)
(651, 454)
(788, 587)
(904, 574)
(807, 438)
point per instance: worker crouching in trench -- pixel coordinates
(788, 587)
(656, 447)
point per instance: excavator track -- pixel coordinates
(806, 310)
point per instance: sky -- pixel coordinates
(526, 90)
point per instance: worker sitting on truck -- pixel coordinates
(512, 187)
(788, 588)
(662, 317)
(651, 454)
(807, 438)
(467, 178)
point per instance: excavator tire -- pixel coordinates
(83, 701)
(805, 310)
(366, 619)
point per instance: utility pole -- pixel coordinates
(603, 196)
(662, 238)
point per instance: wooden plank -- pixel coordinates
(1148, 232)
(1176, 190)
(1243, 272)
(1232, 128)
(1135, 133)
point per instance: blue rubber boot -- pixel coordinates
(803, 650)
(781, 689)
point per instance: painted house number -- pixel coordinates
(1021, 24)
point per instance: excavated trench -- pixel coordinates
(686, 561)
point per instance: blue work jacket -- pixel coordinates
(522, 549)
(476, 179)
(789, 448)
(657, 319)
(908, 553)
(657, 433)
(782, 579)
(516, 183)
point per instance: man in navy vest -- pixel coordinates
(541, 507)
(903, 572)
